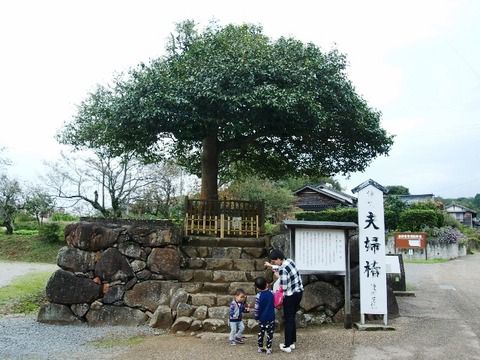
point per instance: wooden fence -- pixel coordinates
(224, 218)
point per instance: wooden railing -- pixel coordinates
(224, 218)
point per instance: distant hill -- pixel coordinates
(471, 203)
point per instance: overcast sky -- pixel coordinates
(418, 62)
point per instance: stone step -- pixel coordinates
(213, 299)
(220, 252)
(218, 276)
(218, 288)
(260, 242)
(225, 264)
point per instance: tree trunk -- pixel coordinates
(209, 190)
(9, 227)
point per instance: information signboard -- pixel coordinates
(320, 250)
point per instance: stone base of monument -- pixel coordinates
(373, 327)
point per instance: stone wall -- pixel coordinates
(433, 251)
(134, 273)
(114, 274)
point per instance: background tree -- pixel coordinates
(10, 197)
(39, 203)
(164, 195)
(4, 161)
(279, 200)
(230, 101)
(397, 190)
(297, 182)
(107, 183)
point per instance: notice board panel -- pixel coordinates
(410, 240)
(320, 250)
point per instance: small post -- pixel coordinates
(222, 226)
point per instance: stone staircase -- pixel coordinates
(214, 268)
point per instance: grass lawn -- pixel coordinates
(28, 248)
(423, 261)
(24, 294)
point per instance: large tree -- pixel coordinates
(228, 101)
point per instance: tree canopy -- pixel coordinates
(228, 101)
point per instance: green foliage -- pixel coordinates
(25, 232)
(265, 107)
(472, 237)
(271, 228)
(24, 294)
(10, 193)
(39, 204)
(393, 208)
(424, 205)
(28, 248)
(343, 214)
(23, 216)
(449, 220)
(423, 261)
(278, 200)
(397, 190)
(297, 182)
(469, 202)
(50, 232)
(26, 225)
(57, 216)
(416, 220)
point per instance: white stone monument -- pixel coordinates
(371, 242)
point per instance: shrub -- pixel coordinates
(26, 225)
(50, 232)
(338, 214)
(63, 217)
(417, 220)
(447, 235)
(472, 237)
(24, 217)
(449, 220)
(26, 232)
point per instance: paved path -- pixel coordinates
(441, 322)
(10, 270)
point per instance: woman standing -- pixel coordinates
(291, 283)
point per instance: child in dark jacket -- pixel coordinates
(264, 314)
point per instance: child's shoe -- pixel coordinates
(261, 350)
(292, 346)
(232, 342)
(239, 341)
(286, 349)
(269, 351)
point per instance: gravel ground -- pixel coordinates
(439, 323)
(22, 337)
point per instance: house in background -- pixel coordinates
(412, 199)
(320, 197)
(462, 214)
